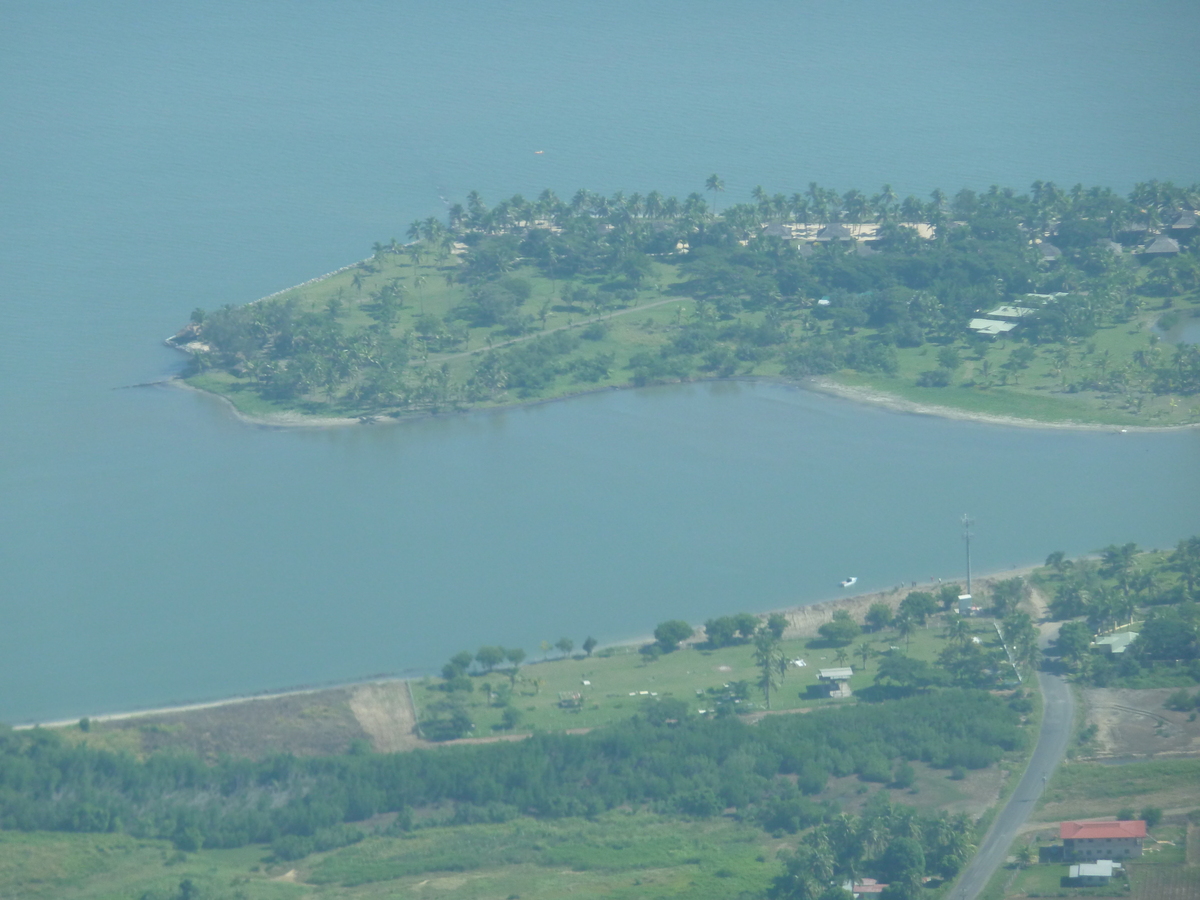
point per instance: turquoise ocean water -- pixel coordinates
(158, 157)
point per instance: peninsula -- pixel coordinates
(1051, 306)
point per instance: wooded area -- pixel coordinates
(663, 759)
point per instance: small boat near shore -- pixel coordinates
(849, 582)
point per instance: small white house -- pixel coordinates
(837, 681)
(1095, 874)
(1115, 643)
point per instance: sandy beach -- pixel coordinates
(899, 404)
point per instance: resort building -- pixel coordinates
(991, 327)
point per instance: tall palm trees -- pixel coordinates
(767, 654)
(717, 186)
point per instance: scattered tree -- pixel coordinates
(776, 624)
(878, 616)
(841, 630)
(489, 657)
(669, 634)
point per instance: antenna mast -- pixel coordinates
(967, 523)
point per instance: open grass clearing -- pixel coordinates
(1081, 790)
(614, 685)
(618, 855)
(61, 866)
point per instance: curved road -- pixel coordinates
(1057, 718)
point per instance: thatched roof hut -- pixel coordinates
(835, 231)
(1162, 246)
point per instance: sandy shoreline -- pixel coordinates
(859, 394)
(820, 385)
(803, 621)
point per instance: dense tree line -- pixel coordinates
(1099, 596)
(894, 844)
(663, 758)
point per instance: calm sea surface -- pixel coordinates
(158, 157)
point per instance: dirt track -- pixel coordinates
(385, 712)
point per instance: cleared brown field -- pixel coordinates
(1164, 882)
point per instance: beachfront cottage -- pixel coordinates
(1092, 841)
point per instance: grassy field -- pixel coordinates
(1036, 392)
(644, 324)
(1081, 790)
(612, 687)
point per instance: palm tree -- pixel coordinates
(766, 657)
(800, 208)
(959, 632)
(905, 626)
(717, 186)
(886, 201)
(654, 201)
(864, 652)
(841, 656)
(912, 210)
(1057, 561)
(419, 283)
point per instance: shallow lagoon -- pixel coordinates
(264, 558)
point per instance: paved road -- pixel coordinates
(1051, 746)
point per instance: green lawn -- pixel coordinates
(1037, 392)
(1080, 789)
(426, 288)
(620, 683)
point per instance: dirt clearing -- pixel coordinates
(1132, 724)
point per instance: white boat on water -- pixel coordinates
(850, 581)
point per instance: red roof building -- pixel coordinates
(1090, 841)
